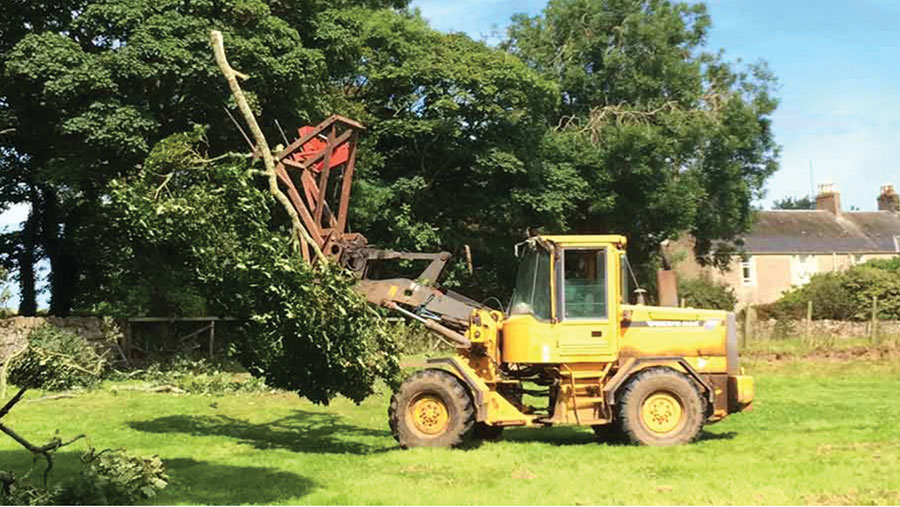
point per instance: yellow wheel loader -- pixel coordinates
(569, 348)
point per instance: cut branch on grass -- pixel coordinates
(231, 76)
(60, 396)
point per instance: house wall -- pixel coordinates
(772, 274)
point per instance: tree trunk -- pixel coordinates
(27, 258)
(63, 264)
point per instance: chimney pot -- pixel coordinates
(888, 200)
(828, 199)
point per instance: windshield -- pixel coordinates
(531, 294)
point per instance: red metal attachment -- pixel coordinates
(307, 163)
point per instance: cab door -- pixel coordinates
(586, 304)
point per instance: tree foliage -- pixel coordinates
(89, 87)
(605, 116)
(844, 295)
(208, 225)
(655, 135)
(56, 359)
(805, 202)
(704, 292)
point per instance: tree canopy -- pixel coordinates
(805, 202)
(607, 116)
(656, 135)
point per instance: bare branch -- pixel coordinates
(9, 404)
(46, 451)
(232, 76)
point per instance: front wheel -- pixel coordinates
(660, 406)
(431, 408)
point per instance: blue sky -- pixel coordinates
(839, 80)
(836, 61)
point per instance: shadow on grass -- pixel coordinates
(705, 435)
(190, 481)
(66, 463)
(560, 435)
(199, 482)
(574, 435)
(308, 432)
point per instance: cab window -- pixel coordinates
(584, 284)
(531, 294)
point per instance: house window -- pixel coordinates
(748, 271)
(803, 267)
(858, 259)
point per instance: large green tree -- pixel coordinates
(454, 128)
(88, 87)
(654, 136)
(604, 116)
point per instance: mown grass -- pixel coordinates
(821, 432)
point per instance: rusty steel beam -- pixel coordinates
(323, 176)
(346, 185)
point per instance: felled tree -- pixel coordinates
(302, 328)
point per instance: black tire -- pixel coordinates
(431, 389)
(610, 433)
(673, 405)
(485, 432)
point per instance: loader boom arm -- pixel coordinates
(316, 170)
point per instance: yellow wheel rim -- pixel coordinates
(429, 414)
(661, 412)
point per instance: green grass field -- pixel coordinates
(822, 432)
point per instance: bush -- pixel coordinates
(115, 478)
(56, 359)
(111, 477)
(843, 296)
(703, 292)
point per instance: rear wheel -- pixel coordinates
(431, 408)
(660, 406)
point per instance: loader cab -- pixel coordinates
(565, 305)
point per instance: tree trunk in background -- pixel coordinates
(26, 261)
(63, 268)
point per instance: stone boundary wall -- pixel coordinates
(14, 330)
(773, 329)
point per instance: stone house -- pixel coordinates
(786, 247)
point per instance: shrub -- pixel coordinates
(843, 296)
(111, 477)
(115, 478)
(56, 359)
(703, 292)
(828, 293)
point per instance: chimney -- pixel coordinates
(828, 199)
(888, 200)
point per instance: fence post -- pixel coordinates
(873, 332)
(748, 325)
(809, 308)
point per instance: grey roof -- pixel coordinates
(796, 231)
